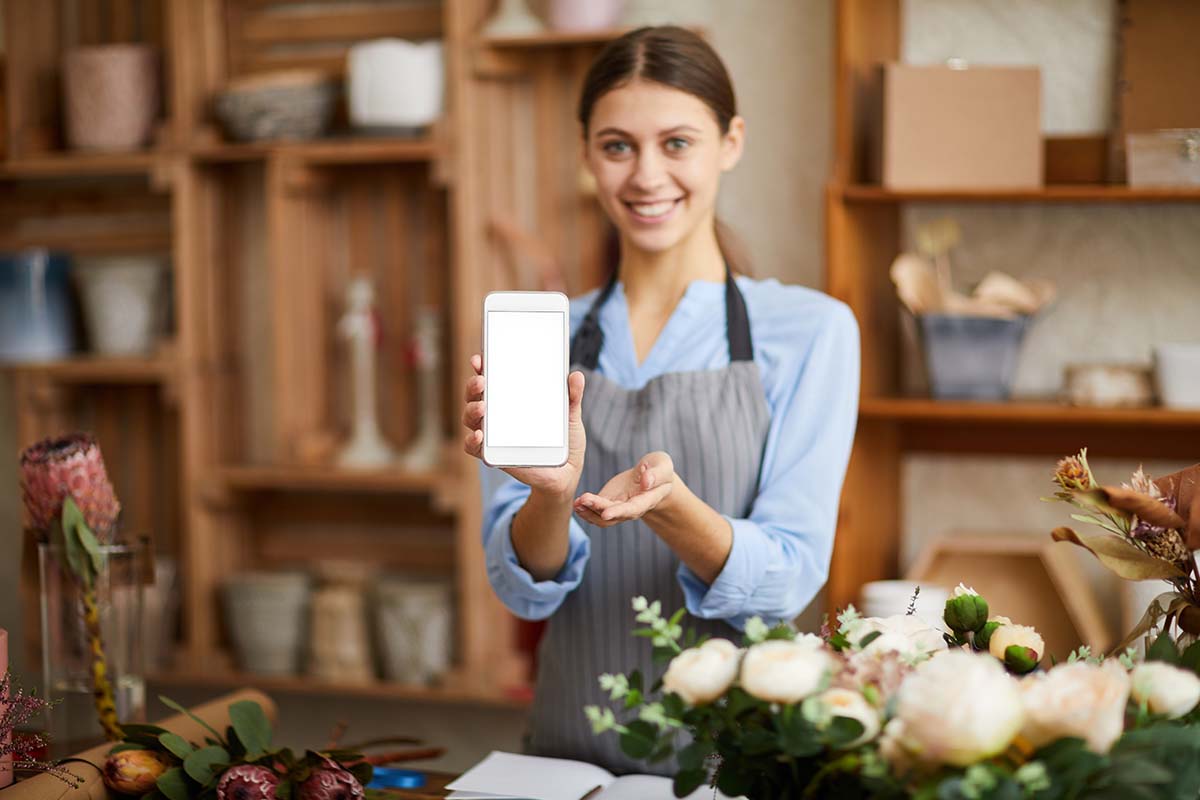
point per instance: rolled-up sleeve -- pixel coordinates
(781, 551)
(516, 588)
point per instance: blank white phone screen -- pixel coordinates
(525, 381)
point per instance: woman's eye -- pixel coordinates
(676, 144)
(615, 148)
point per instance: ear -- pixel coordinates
(732, 144)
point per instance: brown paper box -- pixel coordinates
(974, 128)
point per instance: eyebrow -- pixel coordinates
(676, 129)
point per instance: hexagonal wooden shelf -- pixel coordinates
(1032, 581)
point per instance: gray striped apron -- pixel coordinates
(713, 424)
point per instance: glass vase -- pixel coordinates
(72, 721)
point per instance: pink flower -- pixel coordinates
(331, 783)
(247, 782)
(72, 465)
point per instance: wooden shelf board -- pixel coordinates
(920, 409)
(1064, 193)
(100, 369)
(325, 151)
(69, 164)
(517, 699)
(550, 38)
(267, 477)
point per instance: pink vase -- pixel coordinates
(584, 15)
(111, 96)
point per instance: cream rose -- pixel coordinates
(852, 705)
(786, 672)
(1022, 636)
(702, 674)
(1080, 700)
(904, 634)
(1164, 688)
(957, 708)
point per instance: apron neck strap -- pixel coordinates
(589, 339)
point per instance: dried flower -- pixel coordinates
(1073, 473)
(1163, 543)
(72, 465)
(247, 782)
(19, 708)
(1140, 482)
(134, 772)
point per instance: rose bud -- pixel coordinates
(965, 611)
(1020, 647)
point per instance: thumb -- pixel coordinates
(575, 395)
(655, 469)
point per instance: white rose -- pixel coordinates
(1020, 635)
(852, 705)
(905, 634)
(1164, 688)
(962, 589)
(1080, 700)
(892, 749)
(702, 674)
(958, 708)
(786, 672)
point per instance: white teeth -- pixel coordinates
(653, 209)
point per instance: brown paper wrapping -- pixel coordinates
(47, 787)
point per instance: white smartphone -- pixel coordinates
(525, 361)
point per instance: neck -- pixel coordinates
(660, 278)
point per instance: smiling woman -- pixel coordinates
(714, 452)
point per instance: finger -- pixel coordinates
(477, 364)
(656, 469)
(575, 393)
(473, 443)
(591, 517)
(473, 414)
(636, 507)
(475, 387)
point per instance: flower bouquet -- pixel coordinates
(240, 764)
(894, 708)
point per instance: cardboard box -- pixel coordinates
(949, 128)
(1164, 158)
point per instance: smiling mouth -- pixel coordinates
(653, 211)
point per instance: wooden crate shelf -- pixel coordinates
(81, 164)
(102, 370)
(1064, 193)
(552, 39)
(516, 698)
(920, 409)
(326, 151)
(332, 479)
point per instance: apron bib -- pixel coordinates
(713, 423)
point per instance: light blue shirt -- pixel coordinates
(806, 347)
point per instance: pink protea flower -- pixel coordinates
(71, 465)
(331, 783)
(247, 782)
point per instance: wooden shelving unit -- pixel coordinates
(863, 236)
(221, 446)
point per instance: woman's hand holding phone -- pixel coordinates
(559, 482)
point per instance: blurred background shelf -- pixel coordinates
(329, 151)
(332, 479)
(516, 698)
(552, 39)
(50, 165)
(1064, 193)
(100, 369)
(921, 409)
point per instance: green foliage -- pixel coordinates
(1163, 649)
(173, 784)
(176, 745)
(252, 728)
(965, 613)
(202, 765)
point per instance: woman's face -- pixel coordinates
(657, 155)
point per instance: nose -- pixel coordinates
(650, 171)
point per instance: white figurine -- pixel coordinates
(359, 326)
(424, 452)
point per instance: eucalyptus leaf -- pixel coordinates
(123, 746)
(252, 727)
(640, 739)
(176, 745)
(200, 765)
(1190, 659)
(173, 784)
(1163, 649)
(171, 704)
(688, 781)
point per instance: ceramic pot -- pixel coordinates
(391, 83)
(36, 306)
(111, 96)
(414, 628)
(267, 614)
(289, 104)
(123, 303)
(1177, 373)
(584, 15)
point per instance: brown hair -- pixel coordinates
(674, 57)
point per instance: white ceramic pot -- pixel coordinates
(392, 83)
(124, 305)
(414, 623)
(585, 15)
(267, 614)
(1177, 373)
